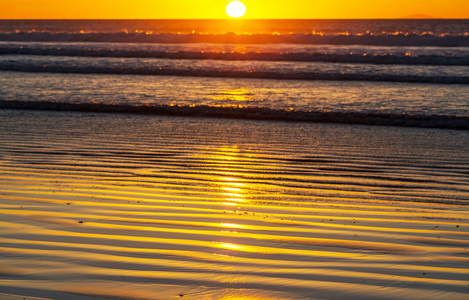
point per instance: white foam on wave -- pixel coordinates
(260, 70)
(312, 55)
(385, 39)
(253, 113)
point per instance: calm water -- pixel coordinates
(395, 72)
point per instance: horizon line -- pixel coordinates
(231, 19)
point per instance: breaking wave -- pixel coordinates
(253, 113)
(358, 56)
(238, 69)
(385, 39)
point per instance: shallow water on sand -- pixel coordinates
(335, 96)
(120, 205)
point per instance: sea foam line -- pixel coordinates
(54, 67)
(372, 58)
(386, 39)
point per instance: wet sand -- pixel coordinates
(106, 206)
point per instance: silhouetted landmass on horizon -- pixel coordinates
(418, 16)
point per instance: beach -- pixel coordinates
(131, 206)
(234, 159)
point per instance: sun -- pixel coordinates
(235, 9)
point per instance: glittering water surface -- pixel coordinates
(374, 72)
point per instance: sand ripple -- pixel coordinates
(139, 207)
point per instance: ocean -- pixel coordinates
(234, 159)
(375, 72)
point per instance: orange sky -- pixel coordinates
(215, 9)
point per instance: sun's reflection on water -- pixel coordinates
(231, 246)
(231, 194)
(230, 225)
(233, 97)
(233, 190)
